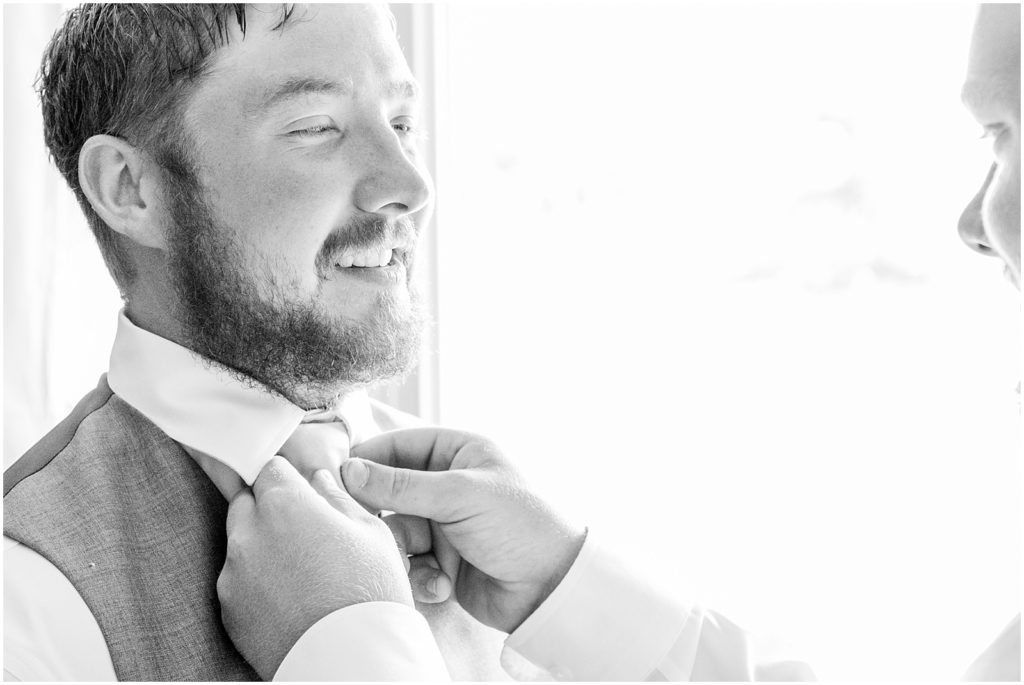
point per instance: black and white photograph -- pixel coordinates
(539, 341)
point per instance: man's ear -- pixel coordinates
(122, 184)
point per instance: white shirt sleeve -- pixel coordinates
(50, 635)
(369, 641)
(1001, 661)
(49, 632)
(605, 622)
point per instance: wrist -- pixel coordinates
(564, 557)
(570, 548)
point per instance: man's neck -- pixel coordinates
(156, 320)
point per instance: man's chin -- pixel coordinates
(381, 347)
(303, 354)
(324, 392)
(385, 309)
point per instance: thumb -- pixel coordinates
(325, 485)
(435, 495)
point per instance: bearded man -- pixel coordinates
(253, 178)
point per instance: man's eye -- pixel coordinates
(407, 127)
(313, 131)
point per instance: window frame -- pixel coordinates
(419, 28)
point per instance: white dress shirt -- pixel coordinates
(605, 621)
(608, 622)
(49, 632)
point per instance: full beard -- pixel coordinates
(294, 347)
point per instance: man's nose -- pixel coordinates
(391, 183)
(971, 226)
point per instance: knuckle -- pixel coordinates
(464, 481)
(227, 617)
(378, 526)
(400, 545)
(224, 585)
(401, 536)
(278, 473)
(231, 552)
(383, 533)
(399, 483)
(274, 470)
(235, 549)
(493, 456)
(277, 498)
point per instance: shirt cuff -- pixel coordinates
(368, 641)
(606, 622)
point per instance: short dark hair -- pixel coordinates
(124, 70)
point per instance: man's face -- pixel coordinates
(296, 232)
(991, 222)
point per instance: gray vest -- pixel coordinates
(138, 528)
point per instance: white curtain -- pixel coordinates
(57, 294)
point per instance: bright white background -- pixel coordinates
(698, 273)
(60, 305)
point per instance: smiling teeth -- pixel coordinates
(367, 258)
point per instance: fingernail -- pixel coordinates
(432, 585)
(356, 473)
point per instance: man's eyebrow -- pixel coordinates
(298, 87)
(303, 86)
(408, 90)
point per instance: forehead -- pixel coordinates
(993, 65)
(353, 45)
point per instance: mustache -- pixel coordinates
(363, 232)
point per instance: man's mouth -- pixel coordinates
(370, 258)
(370, 248)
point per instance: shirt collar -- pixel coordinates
(202, 406)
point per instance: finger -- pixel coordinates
(420, 449)
(434, 495)
(402, 541)
(226, 480)
(448, 558)
(412, 533)
(277, 473)
(241, 509)
(314, 446)
(323, 483)
(429, 583)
